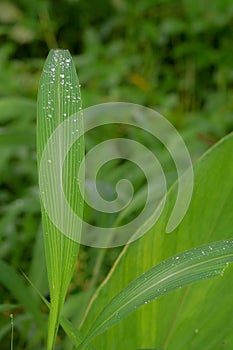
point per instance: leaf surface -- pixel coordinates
(176, 272)
(187, 317)
(58, 100)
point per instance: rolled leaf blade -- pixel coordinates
(58, 99)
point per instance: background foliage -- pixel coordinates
(173, 56)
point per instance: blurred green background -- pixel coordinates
(173, 56)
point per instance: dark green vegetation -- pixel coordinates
(173, 56)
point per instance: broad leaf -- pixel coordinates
(176, 272)
(193, 316)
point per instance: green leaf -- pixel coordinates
(6, 307)
(178, 271)
(58, 100)
(75, 335)
(193, 315)
(39, 278)
(15, 283)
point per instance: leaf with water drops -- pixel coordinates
(176, 320)
(176, 272)
(59, 99)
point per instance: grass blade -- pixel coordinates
(15, 283)
(178, 271)
(58, 99)
(7, 307)
(74, 334)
